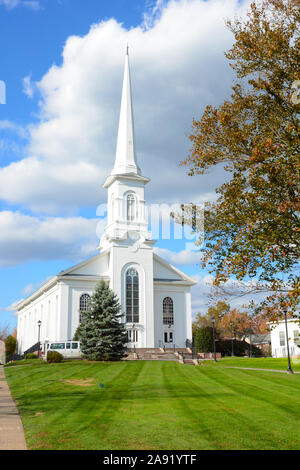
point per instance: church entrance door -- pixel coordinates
(168, 338)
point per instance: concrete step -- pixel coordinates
(159, 357)
(156, 359)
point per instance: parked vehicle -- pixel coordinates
(69, 349)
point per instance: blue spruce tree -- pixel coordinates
(102, 335)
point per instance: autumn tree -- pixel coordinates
(252, 230)
(239, 324)
(4, 332)
(231, 322)
(215, 312)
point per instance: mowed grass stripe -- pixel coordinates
(223, 403)
(88, 410)
(279, 363)
(252, 410)
(156, 405)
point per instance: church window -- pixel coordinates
(281, 338)
(168, 316)
(132, 296)
(83, 304)
(131, 207)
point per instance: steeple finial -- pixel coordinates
(126, 161)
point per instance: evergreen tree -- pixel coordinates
(203, 339)
(10, 345)
(102, 336)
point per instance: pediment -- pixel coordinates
(96, 266)
(164, 271)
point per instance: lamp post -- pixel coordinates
(232, 352)
(39, 334)
(289, 369)
(214, 340)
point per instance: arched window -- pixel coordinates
(131, 207)
(132, 296)
(168, 315)
(83, 304)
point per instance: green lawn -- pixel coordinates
(155, 405)
(260, 362)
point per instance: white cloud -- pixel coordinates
(177, 60)
(24, 238)
(200, 293)
(7, 125)
(32, 4)
(29, 288)
(11, 4)
(181, 258)
(28, 86)
(11, 307)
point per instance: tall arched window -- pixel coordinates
(83, 304)
(131, 207)
(132, 296)
(168, 315)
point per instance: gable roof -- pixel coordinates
(67, 274)
(79, 266)
(170, 273)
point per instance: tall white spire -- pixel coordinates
(126, 161)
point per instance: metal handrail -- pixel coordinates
(134, 350)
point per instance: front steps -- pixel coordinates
(182, 355)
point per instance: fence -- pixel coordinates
(282, 352)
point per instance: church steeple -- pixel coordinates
(126, 161)
(127, 222)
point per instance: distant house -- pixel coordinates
(2, 352)
(261, 341)
(278, 338)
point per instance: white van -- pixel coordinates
(69, 349)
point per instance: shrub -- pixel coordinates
(54, 356)
(240, 348)
(203, 339)
(31, 356)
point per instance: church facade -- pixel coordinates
(155, 296)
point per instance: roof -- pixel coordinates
(260, 338)
(67, 273)
(182, 277)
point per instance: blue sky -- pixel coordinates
(62, 63)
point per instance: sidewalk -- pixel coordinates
(11, 428)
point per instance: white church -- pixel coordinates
(155, 296)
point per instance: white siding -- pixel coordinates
(279, 350)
